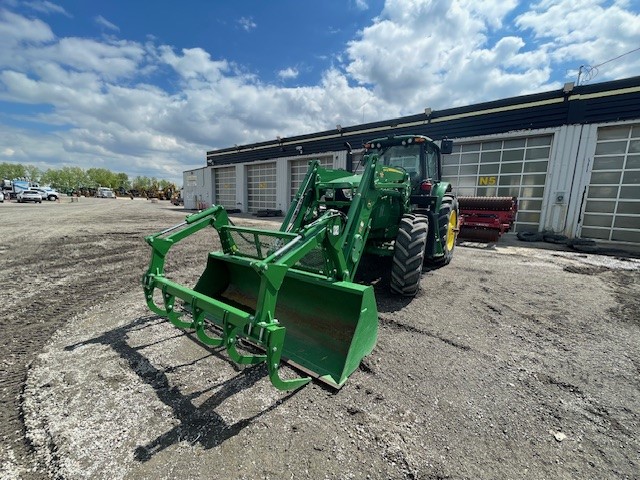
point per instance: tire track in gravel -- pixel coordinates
(83, 255)
(67, 280)
(395, 325)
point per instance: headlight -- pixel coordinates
(347, 193)
(329, 193)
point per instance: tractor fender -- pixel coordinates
(432, 236)
(439, 190)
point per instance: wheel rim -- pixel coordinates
(451, 230)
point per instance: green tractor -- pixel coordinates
(423, 230)
(291, 292)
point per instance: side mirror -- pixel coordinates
(446, 146)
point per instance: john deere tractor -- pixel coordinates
(291, 292)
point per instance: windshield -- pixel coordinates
(406, 157)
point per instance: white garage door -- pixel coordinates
(514, 167)
(612, 207)
(261, 186)
(225, 185)
(299, 168)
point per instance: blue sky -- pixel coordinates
(147, 87)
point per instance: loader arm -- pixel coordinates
(239, 294)
(376, 181)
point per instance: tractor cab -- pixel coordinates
(418, 155)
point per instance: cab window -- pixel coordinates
(432, 163)
(407, 157)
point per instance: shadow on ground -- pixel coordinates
(198, 424)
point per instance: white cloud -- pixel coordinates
(288, 73)
(448, 53)
(362, 5)
(194, 64)
(100, 20)
(427, 53)
(247, 23)
(110, 59)
(569, 35)
(16, 29)
(47, 7)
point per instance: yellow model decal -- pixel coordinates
(487, 180)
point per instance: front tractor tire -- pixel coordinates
(447, 230)
(408, 254)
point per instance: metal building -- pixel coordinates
(571, 156)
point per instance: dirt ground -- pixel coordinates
(513, 362)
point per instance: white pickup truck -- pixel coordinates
(104, 192)
(48, 193)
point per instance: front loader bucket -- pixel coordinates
(329, 325)
(287, 293)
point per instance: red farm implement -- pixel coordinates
(485, 219)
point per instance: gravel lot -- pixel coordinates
(512, 362)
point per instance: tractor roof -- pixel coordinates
(397, 140)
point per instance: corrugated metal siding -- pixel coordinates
(612, 109)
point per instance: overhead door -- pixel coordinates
(225, 187)
(299, 168)
(612, 207)
(261, 186)
(515, 167)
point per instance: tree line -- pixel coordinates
(75, 179)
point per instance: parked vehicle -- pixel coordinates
(1, 197)
(104, 192)
(11, 188)
(29, 196)
(293, 291)
(177, 199)
(48, 193)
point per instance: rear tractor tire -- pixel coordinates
(447, 230)
(408, 254)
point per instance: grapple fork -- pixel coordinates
(262, 297)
